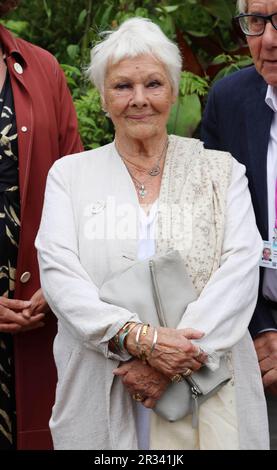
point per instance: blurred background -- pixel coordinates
(211, 44)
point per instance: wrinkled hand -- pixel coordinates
(20, 315)
(38, 305)
(266, 348)
(173, 353)
(143, 379)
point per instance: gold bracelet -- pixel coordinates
(145, 329)
(137, 339)
(154, 342)
(141, 349)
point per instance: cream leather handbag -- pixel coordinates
(159, 290)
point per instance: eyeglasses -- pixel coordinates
(254, 25)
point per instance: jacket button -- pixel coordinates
(24, 128)
(18, 68)
(25, 277)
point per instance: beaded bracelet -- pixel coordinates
(122, 335)
(117, 342)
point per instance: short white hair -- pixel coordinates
(134, 37)
(242, 6)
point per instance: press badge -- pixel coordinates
(269, 253)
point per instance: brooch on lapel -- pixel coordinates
(94, 208)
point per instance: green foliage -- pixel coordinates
(193, 84)
(94, 126)
(231, 64)
(185, 114)
(74, 78)
(67, 28)
(17, 27)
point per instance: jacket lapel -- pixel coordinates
(22, 92)
(258, 122)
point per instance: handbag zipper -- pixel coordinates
(156, 296)
(195, 407)
(195, 392)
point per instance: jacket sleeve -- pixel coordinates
(69, 138)
(67, 287)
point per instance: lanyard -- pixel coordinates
(276, 205)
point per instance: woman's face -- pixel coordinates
(138, 97)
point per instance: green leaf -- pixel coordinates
(143, 12)
(226, 71)
(194, 19)
(244, 62)
(167, 9)
(81, 18)
(167, 25)
(220, 9)
(197, 33)
(191, 83)
(106, 18)
(222, 59)
(73, 50)
(47, 9)
(17, 27)
(185, 116)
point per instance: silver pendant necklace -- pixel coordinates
(142, 191)
(140, 186)
(154, 171)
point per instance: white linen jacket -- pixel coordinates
(89, 229)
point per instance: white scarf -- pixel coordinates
(192, 204)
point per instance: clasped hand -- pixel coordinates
(22, 315)
(174, 353)
(142, 379)
(266, 348)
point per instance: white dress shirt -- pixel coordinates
(146, 249)
(270, 275)
(271, 101)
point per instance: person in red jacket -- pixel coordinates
(37, 126)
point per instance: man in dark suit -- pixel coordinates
(241, 117)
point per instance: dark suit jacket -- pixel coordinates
(238, 120)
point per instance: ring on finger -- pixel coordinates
(138, 397)
(176, 378)
(187, 372)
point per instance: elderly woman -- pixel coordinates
(38, 125)
(148, 193)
